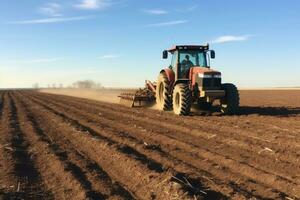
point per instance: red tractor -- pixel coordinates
(188, 80)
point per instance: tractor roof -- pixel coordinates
(189, 47)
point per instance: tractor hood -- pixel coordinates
(204, 71)
(205, 78)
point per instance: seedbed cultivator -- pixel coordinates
(141, 97)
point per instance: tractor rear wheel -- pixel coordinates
(163, 99)
(182, 99)
(230, 103)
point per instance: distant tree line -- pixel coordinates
(87, 84)
(84, 84)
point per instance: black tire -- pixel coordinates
(182, 99)
(163, 99)
(230, 103)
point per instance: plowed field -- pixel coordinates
(60, 147)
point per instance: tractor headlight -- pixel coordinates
(205, 76)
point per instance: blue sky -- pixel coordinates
(119, 42)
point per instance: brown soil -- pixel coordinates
(60, 147)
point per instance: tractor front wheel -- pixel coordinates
(182, 99)
(163, 99)
(230, 103)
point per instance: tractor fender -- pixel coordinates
(170, 74)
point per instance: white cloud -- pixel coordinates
(51, 9)
(191, 8)
(163, 12)
(51, 20)
(156, 12)
(169, 23)
(93, 4)
(187, 9)
(231, 38)
(109, 56)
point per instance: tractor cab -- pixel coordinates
(188, 56)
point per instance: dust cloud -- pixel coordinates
(105, 95)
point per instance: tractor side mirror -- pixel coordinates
(212, 54)
(165, 54)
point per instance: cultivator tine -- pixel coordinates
(127, 99)
(126, 102)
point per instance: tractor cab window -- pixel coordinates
(188, 59)
(174, 60)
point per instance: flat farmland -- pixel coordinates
(62, 147)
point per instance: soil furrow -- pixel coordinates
(77, 148)
(230, 135)
(196, 122)
(1, 103)
(263, 159)
(29, 184)
(150, 176)
(96, 135)
(280, 152)
(8, 182)
(85, 171)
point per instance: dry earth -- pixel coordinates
(61, 147)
